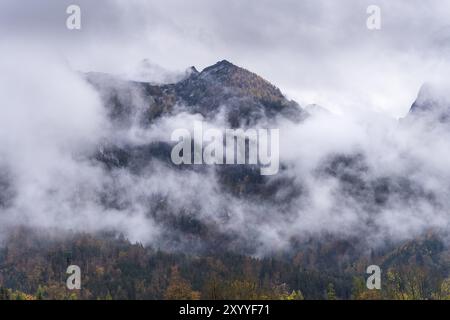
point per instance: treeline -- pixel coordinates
(34, 267)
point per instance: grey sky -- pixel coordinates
(315, 51)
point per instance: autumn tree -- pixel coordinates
(179, 288)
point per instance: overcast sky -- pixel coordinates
(315, 51)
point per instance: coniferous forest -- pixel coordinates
(114, 268)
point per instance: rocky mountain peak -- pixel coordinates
(242, 81)
(245, 97)
(193, 70)
(220, 65)
(433, 102)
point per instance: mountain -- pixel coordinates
(208, 224)
(245, 97)
(432, 103)
(223, 89)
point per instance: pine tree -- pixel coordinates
(4, 294)
(40, 293)
(331, 293)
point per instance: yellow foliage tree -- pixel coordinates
(179, 288)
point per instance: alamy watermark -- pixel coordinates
(227, 147)
(374, 280)
(73, 21)
(74, 280)
(373, 22)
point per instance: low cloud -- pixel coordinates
(356, 172)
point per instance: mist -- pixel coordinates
(335, 165)
(50, 135)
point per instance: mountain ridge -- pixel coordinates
(246, 97)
